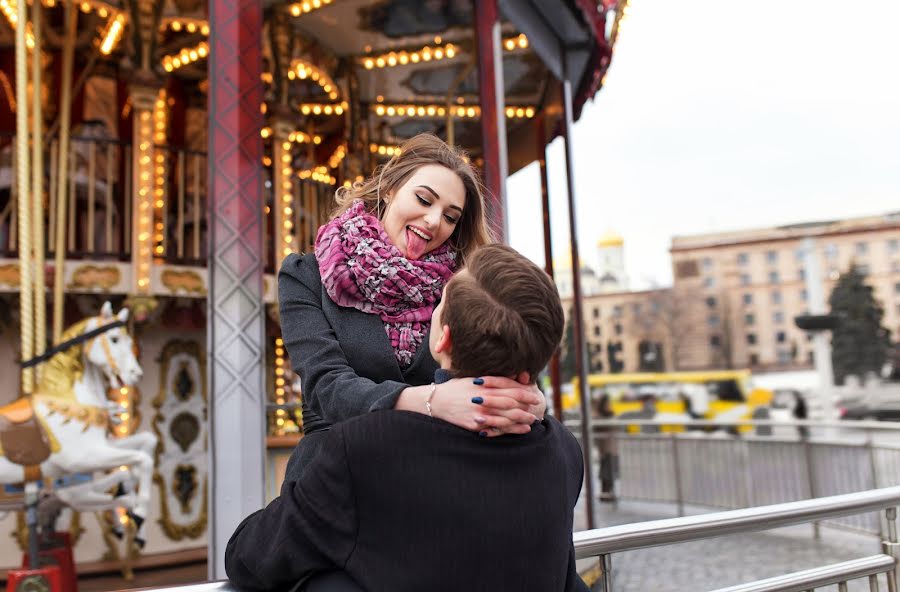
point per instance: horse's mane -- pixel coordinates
(59, 374)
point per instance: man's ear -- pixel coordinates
(444, 343)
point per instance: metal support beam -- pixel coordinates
(577, 310)
(541, 137)
(493, 119)
(236, 314)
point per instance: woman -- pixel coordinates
(355, 313)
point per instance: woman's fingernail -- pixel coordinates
(482, 434)
(478, 381)
(479, 419)
(477, 400)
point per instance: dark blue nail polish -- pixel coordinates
(482, 434)
(478, 381)
(477, 400)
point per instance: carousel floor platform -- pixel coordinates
(145, 578)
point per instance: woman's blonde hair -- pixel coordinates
(471, 231)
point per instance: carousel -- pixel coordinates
(158, 159)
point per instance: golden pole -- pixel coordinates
(26, 306)
(37, 181)
(62, 176)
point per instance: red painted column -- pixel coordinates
(493, 121)
(236, 342)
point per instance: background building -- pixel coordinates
(734, 296)
(744, 288)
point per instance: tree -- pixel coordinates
(859, 344)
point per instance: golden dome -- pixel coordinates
(610, 239)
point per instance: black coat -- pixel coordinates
(343, 357)
(405, 503)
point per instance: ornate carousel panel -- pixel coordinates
(181, 425)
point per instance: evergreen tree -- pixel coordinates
(859, 344)
(567, 367)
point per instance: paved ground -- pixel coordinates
(724, 561)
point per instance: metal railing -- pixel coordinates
(604, 542)
(738, 464)
(98, 190)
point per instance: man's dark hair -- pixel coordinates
(504, 315)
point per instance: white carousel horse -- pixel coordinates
(70, 404)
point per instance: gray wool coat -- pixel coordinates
(343, 356)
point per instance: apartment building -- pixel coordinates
(739, 292)
(628, 331)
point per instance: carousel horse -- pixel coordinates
(63, 428)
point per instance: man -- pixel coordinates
(404, 502)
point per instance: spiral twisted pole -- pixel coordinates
(37, 196)
(26, 304)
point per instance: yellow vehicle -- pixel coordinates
(710, 394)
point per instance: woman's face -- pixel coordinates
(423, 213)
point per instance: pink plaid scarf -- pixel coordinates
(361, 268)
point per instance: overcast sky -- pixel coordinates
(727, 114)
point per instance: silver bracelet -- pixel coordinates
(428, 400)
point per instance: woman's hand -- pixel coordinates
(498, 401)
(490, 406)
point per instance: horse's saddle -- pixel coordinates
(23, 439)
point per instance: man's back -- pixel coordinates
(403, 502)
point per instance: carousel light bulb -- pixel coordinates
(295, 10)
(192, 27)
(414, 58)
(176, 26)
(369, 63)
(204, 30)
(509, 44)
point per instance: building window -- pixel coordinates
(715, 341)
(618, 328)
(743, 258)
(748, 298)
(776, 297)
(754, 360)
(803, 295)
(895, 266)
(831, 251)
(712, 320)
(707, 263)
(617, 310)
(749, 319)
(784, 357)
(711, 301)
(801, 275)
(596, 313)
(897, 288)
(772, 256)
(751, 338)
(894, 246)
(597, 331)
(709, 282)
(778, 317)
(636, 308)
(781, 337)
(863, 269)
(861, 248)
(800, 255)
(745, 279)
(773, 277)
